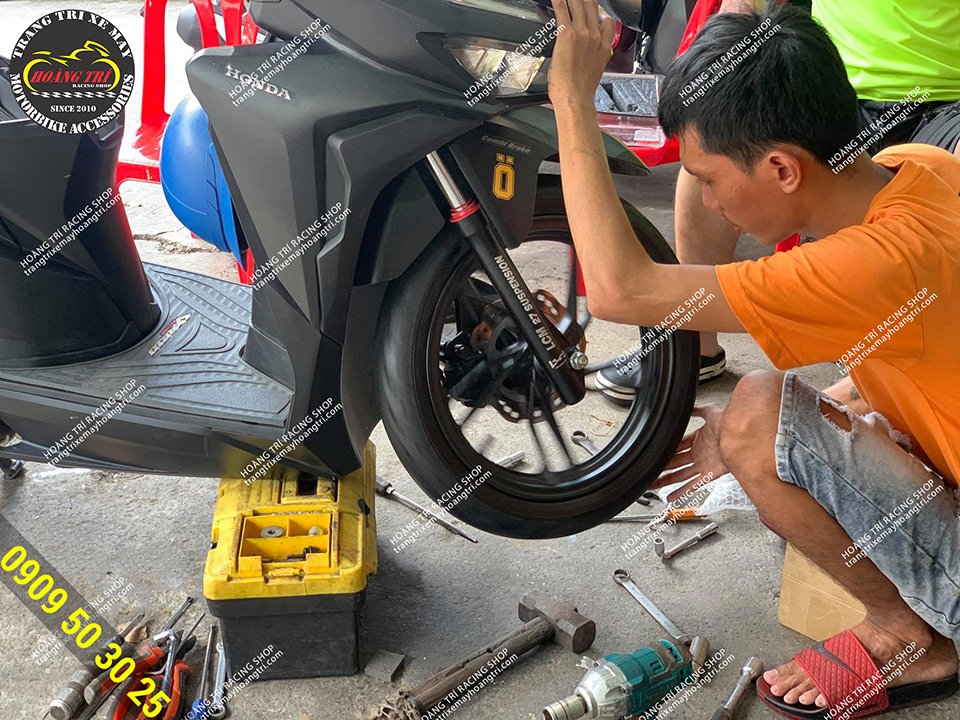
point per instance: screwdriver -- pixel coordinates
(675, 515)
(70, 699)
(199, 708)
(177, 615)
(387, 489)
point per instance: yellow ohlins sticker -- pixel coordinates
(504, 177)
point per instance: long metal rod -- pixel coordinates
(448, 186)
(387, 489)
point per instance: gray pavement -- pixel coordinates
(433, 602)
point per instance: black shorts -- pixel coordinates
(931, 123)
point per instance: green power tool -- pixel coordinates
(627, 685)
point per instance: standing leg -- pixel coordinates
(703, 238)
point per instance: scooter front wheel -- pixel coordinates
(460, 391)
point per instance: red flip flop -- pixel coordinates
(843, 671)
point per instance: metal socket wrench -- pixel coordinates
(748, 673)
(70, 699)
(658, 546)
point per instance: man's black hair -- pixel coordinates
(746, 84)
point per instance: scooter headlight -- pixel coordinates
(499, 70)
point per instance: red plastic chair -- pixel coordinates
(239, 29)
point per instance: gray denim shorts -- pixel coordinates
(899, 513)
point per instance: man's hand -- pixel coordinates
(582, 51)
(697, 458)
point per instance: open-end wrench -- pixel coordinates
(580, 438)
(622, 578)
(218, 703)
(751, 671)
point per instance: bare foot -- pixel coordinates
(938, 662)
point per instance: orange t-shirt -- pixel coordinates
(883, 296)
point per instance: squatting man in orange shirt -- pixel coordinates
(875, 459)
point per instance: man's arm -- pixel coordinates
(741, 6)
(623, 283)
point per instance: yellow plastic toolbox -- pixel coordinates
(287, 569)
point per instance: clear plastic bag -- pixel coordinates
(725, 494)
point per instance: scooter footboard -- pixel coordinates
(72, 287)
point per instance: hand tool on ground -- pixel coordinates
(123, 703)
(11, 468)
(176, 686)
(150, 656)
(546, 619)
(178, 697)
(623, 579)
(673, 515)
(199, 707)
(93, 708)
(173, 647)
(173, 678)
(176, 616)
(387, 489)
(621, 686)
(127, 639)
(511, 460)
(658, 547)
(748, 673)
(71, 698)
(580, 438)
(647, 497)
(190, 633)
(218, 703)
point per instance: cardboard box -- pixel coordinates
(812, 603)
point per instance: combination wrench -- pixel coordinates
(218, 703)
(580, 438)
(622, 577)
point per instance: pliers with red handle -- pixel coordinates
(174, 673)
(173, 708)
(146, 667)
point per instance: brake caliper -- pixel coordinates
(472, 361)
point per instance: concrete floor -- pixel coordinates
(433, 602)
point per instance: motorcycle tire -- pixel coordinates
(437, 463)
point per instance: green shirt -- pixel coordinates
(892, 46)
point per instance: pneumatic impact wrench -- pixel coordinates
(627, 685)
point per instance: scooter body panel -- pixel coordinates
(333, 131)
(71, 284)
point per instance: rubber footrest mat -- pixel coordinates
(190, 363)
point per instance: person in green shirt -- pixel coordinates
(903, 60)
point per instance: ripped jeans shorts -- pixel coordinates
(899, 513)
